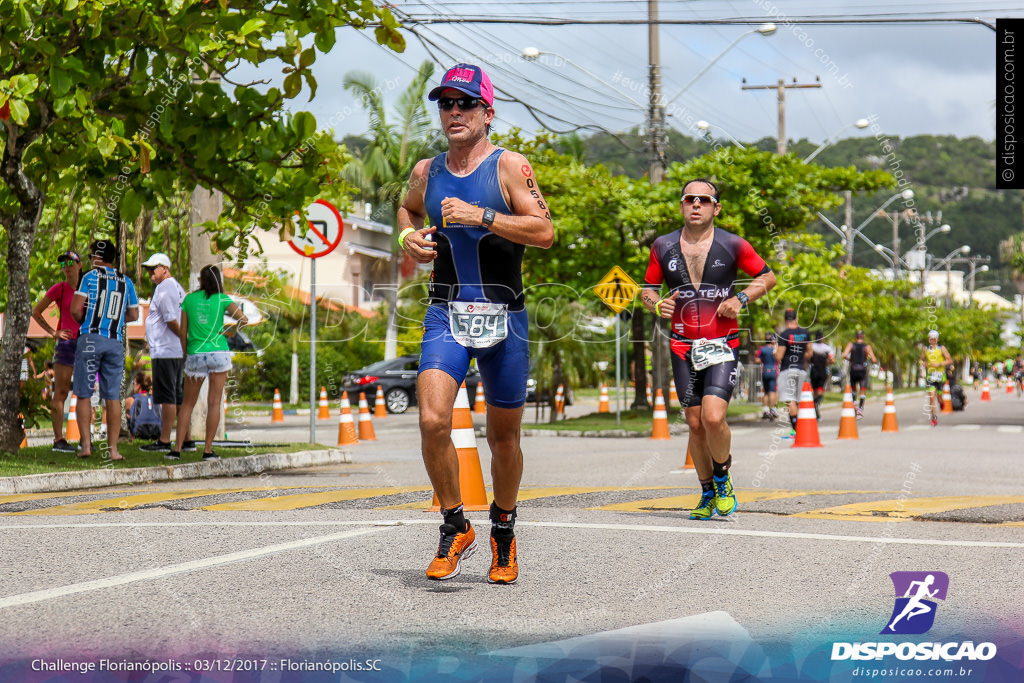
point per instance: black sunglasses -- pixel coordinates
(465, 103)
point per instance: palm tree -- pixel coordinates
(382, 169)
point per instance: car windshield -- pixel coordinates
(379, 366)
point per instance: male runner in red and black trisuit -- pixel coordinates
(699, 263)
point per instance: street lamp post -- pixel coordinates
(907, 195)
(531, 54)
(706, 127)
(948, 263)
(764, 29)
(974, 268)
(859, 123)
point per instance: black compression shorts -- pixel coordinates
(693, 385)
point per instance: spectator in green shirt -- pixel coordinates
(206, 353)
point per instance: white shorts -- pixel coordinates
(791, 383)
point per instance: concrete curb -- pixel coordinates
(675, 429)
(226, 467)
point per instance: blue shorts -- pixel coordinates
(504, 367)
(96, 353)
(768, 384)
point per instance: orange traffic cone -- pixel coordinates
(848, 418)
(673, 398)
(479, 404)
(889, 423)
(986, 395)
(560, 401)
(1009, 387)
(365, 423)
(650, 401)
(380, 408)
(346, 427)
(688, 465)
(325, 410)
(947, 399)
(806, 421)
(277, 415)
(471, 478)
(72, 433)
(602, 406)
(659, 428)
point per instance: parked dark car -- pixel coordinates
(397, 377)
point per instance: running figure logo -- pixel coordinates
(914, 612)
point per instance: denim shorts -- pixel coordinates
(98, 354)
(199, 365)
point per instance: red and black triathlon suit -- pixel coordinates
(696, 313)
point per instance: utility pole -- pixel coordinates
(656, 111)
(781, 87)
(656, 174)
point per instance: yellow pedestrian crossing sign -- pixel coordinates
(616, 289)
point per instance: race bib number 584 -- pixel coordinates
(477, 325)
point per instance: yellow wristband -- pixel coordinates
(657, 309)
(403, 235)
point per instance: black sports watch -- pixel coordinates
(743, 298)
(488, 217)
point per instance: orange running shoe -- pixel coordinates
(504, 568)
(453, 548)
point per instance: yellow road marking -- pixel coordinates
(689, 501)
(901, 510)
(305, 500)
(132, 501)
(544, 492)
(22, 497)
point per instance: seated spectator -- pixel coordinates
(143, 416)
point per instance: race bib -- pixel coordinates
(708, 352)
(936, 376)
(477, 325)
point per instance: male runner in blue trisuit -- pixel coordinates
(472, 211)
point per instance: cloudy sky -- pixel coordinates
(927, 78)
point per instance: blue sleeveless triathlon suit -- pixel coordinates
(474, 264)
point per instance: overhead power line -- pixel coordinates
(556, 21)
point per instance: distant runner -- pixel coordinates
(935, 359)
(858, 352)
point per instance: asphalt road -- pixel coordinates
(328, 563)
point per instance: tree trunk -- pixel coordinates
(21, 229)
(206, 206)
(639, 362)
(20, 236)
(661, 368)
(391, 337)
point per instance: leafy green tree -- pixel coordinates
(382, 168)
(132, 93)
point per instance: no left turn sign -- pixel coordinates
(323, 230)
